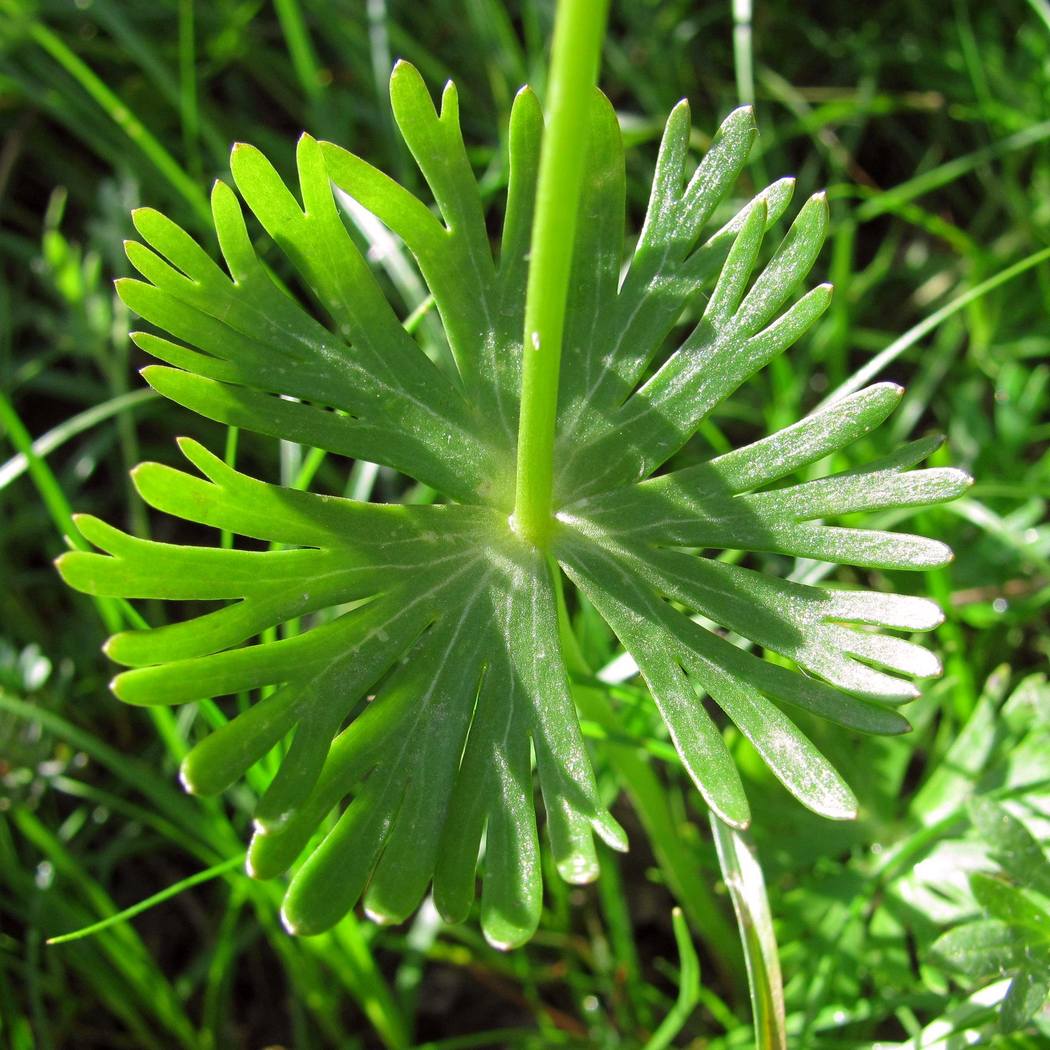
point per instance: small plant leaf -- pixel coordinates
(986, 948)
(1027, 994)
(1010, 905)
(1013, 846)
(416, 681)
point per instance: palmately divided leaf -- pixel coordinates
(416, 678)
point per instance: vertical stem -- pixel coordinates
(742, 54)
(578, 31)
(747, 887)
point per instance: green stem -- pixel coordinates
(578, 31)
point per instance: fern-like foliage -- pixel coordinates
(430, 689)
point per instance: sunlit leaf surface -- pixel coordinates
(427, 693)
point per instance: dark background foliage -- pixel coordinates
(929, 125)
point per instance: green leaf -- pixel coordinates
(1013, 846)
(986, 948)
(411, 684)
(952, 781)
(1010, 905)
(1026, 995)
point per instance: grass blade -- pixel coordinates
(157, 898)
(688, 986)
(747, 887)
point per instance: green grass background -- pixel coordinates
(928, 122)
